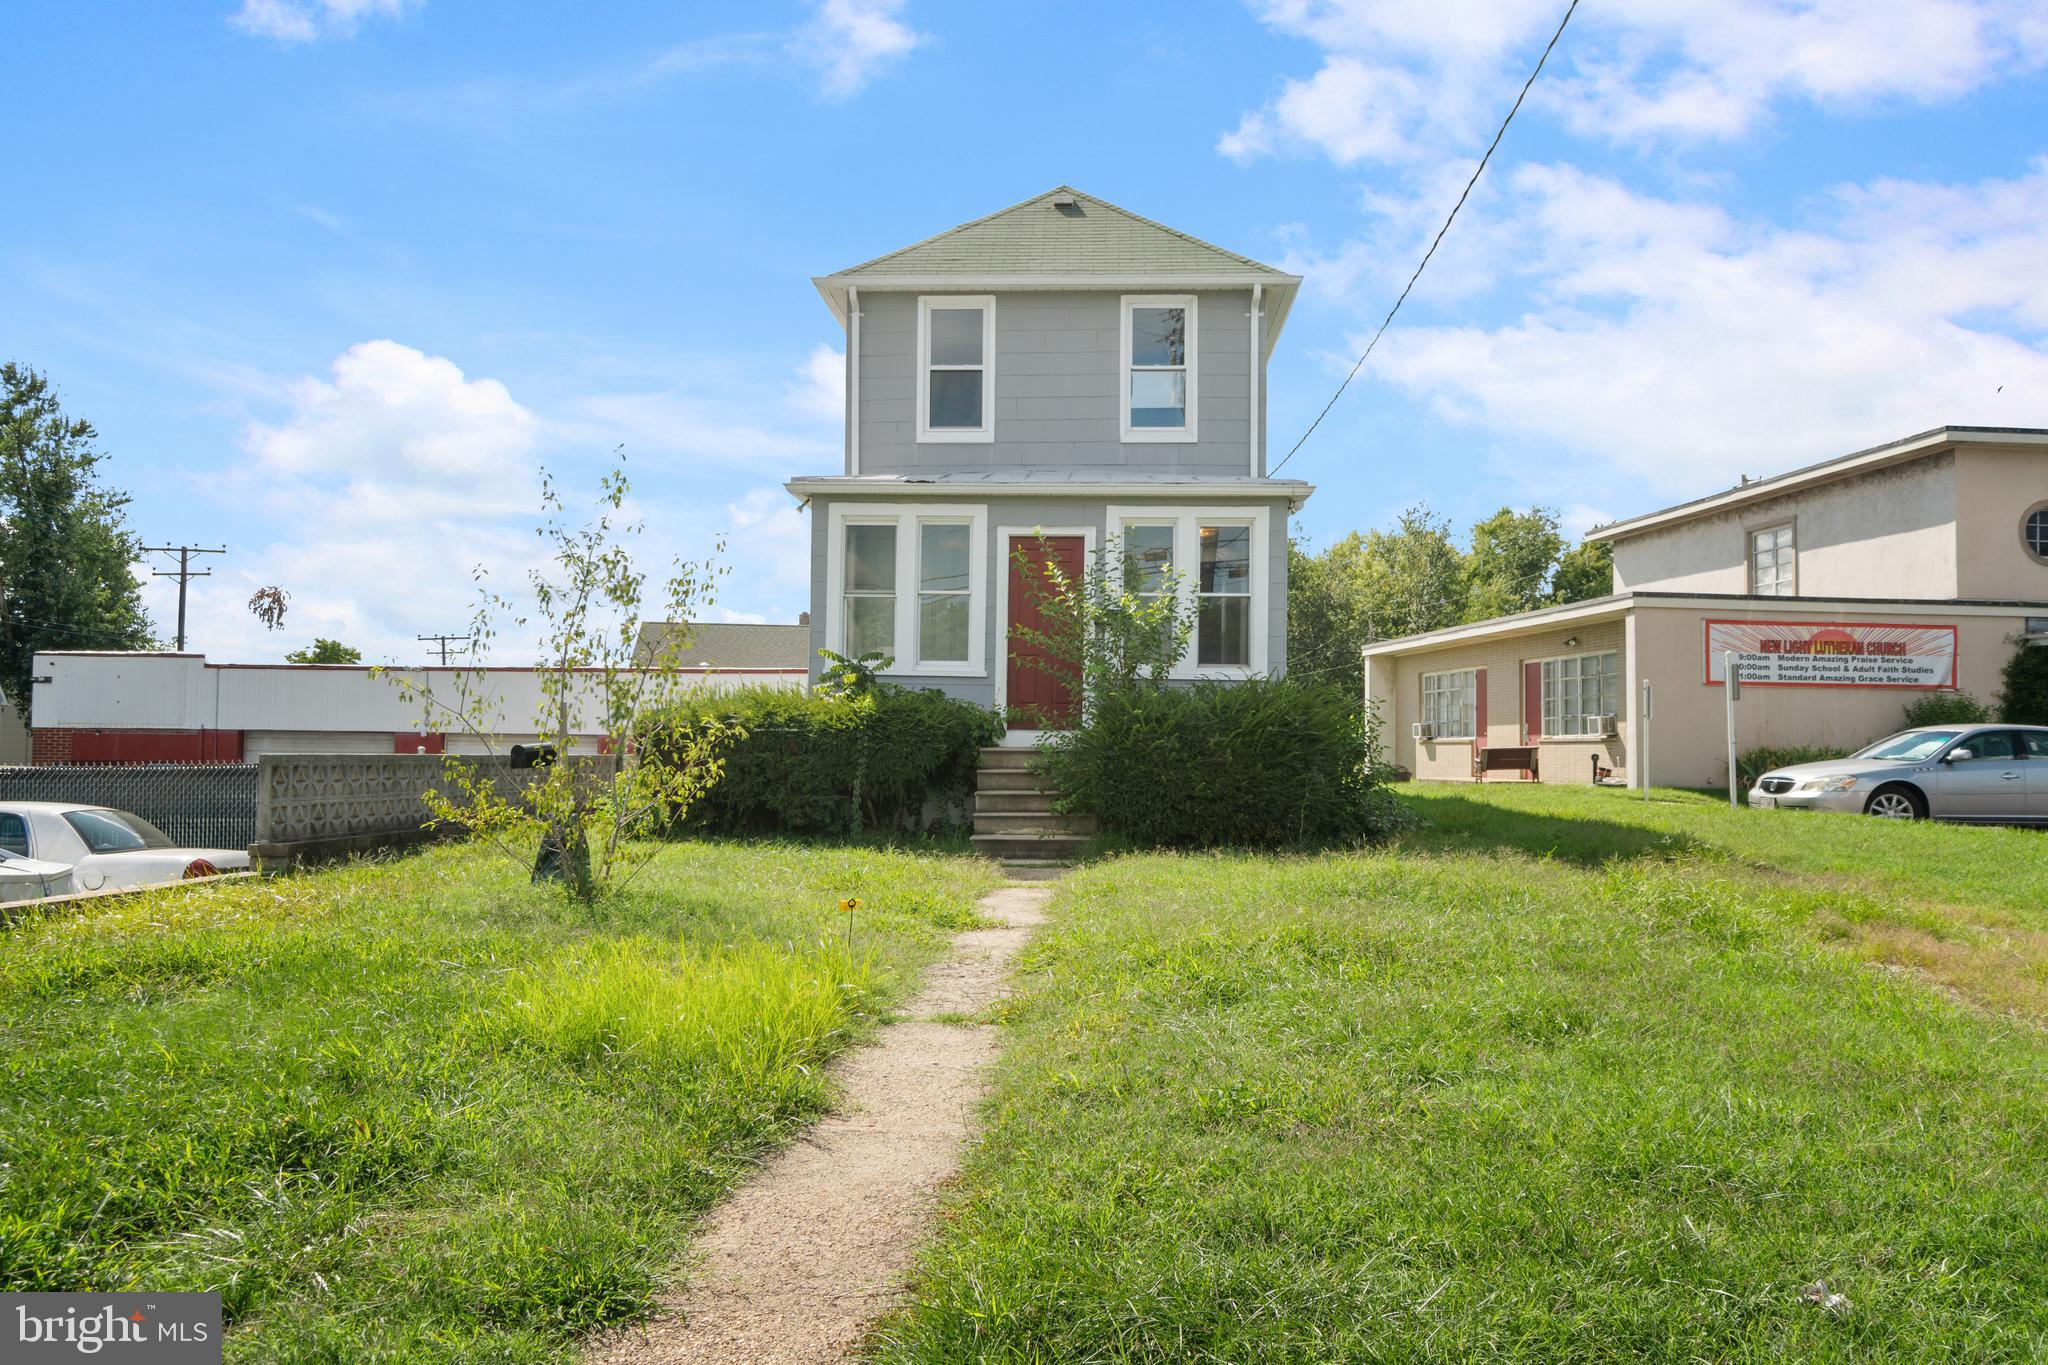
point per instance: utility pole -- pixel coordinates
(184, 573)
(444, 641)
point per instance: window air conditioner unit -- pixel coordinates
(1601, 725)
(1424, 730)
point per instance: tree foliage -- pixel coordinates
(325, 651)
(1414, 577)
(1114, 628)
(2023, 699)
(65, 548)
(583, 816)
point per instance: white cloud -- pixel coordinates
(850, 42)
(1403, 80)
(1685, 346)
(819, 389)
(304, 21)
(768, 530)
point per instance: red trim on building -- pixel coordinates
(59, 746)
(408, 743)
(1479, 710)
(1532, 702)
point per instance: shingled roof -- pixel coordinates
(721, 644)
(1037, 243)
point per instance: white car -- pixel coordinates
(31, 879)
(106, 849)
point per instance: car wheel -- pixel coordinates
(1895, 803)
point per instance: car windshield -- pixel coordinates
(115, 831)
(1914, 746)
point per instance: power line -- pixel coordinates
(1476, 172)
(184, 573)
(444, 641)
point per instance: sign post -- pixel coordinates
(1643, 739)
(1731, 675)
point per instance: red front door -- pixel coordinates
(1047, 699)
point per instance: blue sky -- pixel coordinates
(335, 277)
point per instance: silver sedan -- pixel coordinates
(1994, 774)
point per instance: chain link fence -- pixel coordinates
(200, 805)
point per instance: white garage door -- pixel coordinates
(257, 743)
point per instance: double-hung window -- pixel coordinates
(1450, 703)
(956, 338)
(1223, 597)
(909, 581)
(1770, 561)
(1158, 384)
(944, 591)
(870, 576)
(1576, 689)
(1148, 557)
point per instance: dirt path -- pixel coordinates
(803, 1258)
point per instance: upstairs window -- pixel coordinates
(955, 348)
(870, 589)
(1771, 561)
(1158, 350)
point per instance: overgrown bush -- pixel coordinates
(1945, 708)
(889, 759)
(2024, 700)
(1754, 764)
(1261, 763)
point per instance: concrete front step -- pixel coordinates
(1008, 760)
(1008, 780)
(1032, 822)
(988, 802)
(1046, 847)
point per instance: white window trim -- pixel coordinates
(1473, 674)
(1004, 535)
(1749, 536)
(1183, 435)
(1620, 689)
(906, 518)
(1187, 561)
(986, 432)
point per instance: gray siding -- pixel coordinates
(1062, 512)
(1057, 382)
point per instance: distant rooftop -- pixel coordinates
(1826, 471)
(723, 644)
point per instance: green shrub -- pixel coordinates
(1945, 708)
(2024, 700)
(884, 760)
(1258, 763)
(1754, 764)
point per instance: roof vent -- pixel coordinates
(1064, 200)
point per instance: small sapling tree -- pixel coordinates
(581, 811)
(1116, 627)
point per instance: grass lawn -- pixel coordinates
(421, 1111)
(1564, 1077)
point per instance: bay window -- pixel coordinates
(1158, 382)
(910, 582)
(944, 599)
(870, 590)
(1450, 703)
(1223, 597)
(1577, 688)
(956, 335)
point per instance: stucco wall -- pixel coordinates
(1043, 512)
(1502, 656)
(1057, 381)
(1688, 743)
(1887, 534)
(1995, 487)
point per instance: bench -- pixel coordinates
(1488, 758)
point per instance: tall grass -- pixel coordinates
(424, 1111)
(1559, 1080)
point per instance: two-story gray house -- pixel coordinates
(1061, 367)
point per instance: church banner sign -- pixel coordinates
(1833, 654)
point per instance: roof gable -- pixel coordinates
(1091, 237)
